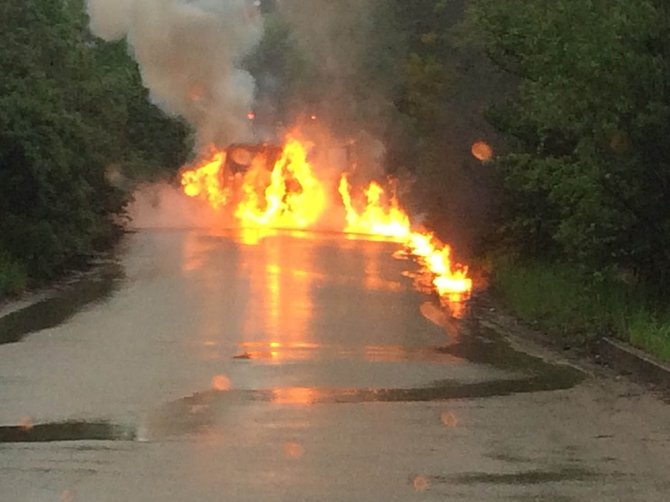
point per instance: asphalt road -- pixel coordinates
(212, 367)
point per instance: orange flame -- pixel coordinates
(449, 278)
(295, 198)
(377, 218)
(205, 180)
(389, 220)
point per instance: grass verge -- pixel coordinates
(561, 300)
(13, 275)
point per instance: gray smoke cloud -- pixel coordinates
(353, 51)
(189, 53)
(335, 36)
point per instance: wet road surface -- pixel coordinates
(300, 367)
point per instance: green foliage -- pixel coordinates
(562, 298)
(579, 307)
(588, 176)
(70, 106)
(425, 63)
(647, 332)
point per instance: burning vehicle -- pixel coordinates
(239, 156)
(265, 186)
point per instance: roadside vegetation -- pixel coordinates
(75, 123)
(583, 240)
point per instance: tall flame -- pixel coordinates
(294, 198)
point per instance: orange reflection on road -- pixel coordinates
(278, 351)
(299, 396)
(252, 236)
(293, 450)
(456, 305)
(420, 483)
(385, 353)
(449, 419)
(281, 281)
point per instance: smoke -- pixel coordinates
(163, 206)
(189, 53)
(354, 50)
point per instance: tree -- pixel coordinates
(69, 108)
(588, 177)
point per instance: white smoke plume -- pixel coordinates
(189, 52)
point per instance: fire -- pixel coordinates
(291, 196)
(449, 279)
(386, 219)
(205, 180)
(294, 198)
(377, 218)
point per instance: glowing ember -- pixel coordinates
(204, 180)
(294, 198)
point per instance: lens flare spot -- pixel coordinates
(67, 496)
(420, 483)
(221, 383)
(482, 151)
(449, 419)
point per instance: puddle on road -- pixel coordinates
(53, 311)
(205, 410)
(66, 431)
(525, 478)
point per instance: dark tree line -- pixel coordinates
(72, 110)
